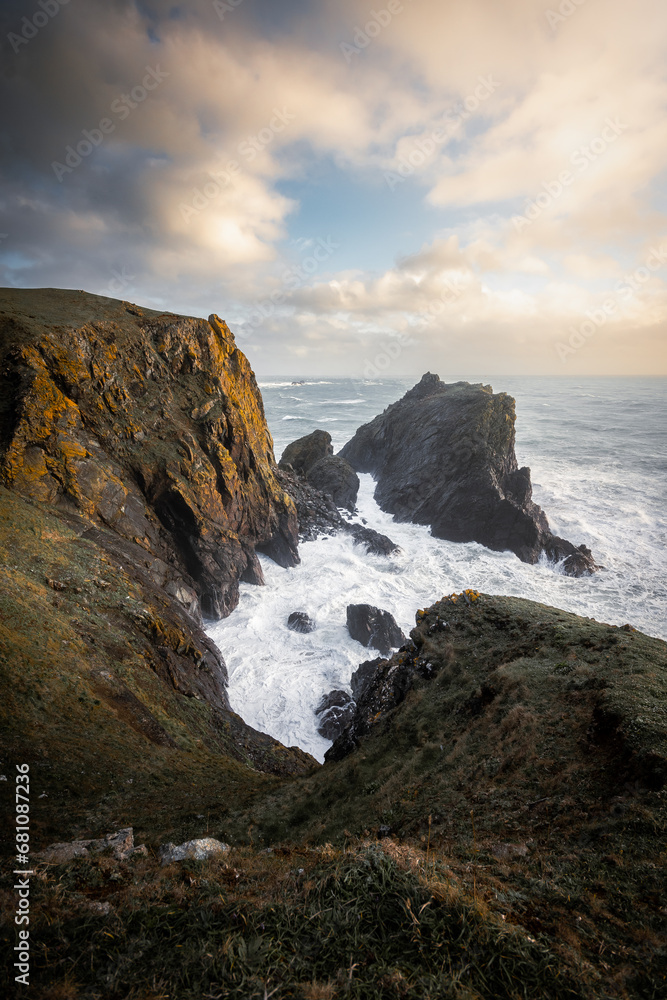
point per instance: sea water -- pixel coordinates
(597, 450)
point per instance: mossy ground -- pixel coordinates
(373, 921)
(523, 789)
(103, 750)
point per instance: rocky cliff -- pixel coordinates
(151, 425)
(443, 455)
(137, 482)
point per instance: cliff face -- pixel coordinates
(443, 455)
(137, 479)
(151, 425)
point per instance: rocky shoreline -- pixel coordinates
(502, 768)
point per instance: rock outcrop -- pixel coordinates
(373, 627)
(443, 455)
(150, 425)
(335, 477)
(335, 711)
(302, 454)
(318, 515)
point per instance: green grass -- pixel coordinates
(297, 924)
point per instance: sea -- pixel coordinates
(597, 450)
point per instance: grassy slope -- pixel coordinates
(100, 758)
(522, 786)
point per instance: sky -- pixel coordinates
(359, 190)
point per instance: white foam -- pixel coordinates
(604, 490)
(277, 677)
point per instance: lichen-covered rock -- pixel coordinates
(443, 455)
(137, 480)
(303, 453)
(193, 850)
(149, 424)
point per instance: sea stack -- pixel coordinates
(443, 455)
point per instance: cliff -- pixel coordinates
(138, 481)
(443, 455)
(151, 425)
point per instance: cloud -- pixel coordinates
(197, 189)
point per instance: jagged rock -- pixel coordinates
(121, 843)
(131, 421)
(195, 850)
(303, 453)
(373, 627)
(443, 455)
(336, 710)
(363, 676)
(374, 542)
(318, 515)
(335, 477)
(138, 506)
(299, 621)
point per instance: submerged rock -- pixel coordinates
(373, 541)
(443, 455)
(300, 621)
(336, 711)
(373, 627)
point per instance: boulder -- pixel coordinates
(121, 844)
(302, 454)
(335, 477)
(300, 621)
(373, 541)
(195, 850)
(443, 455)
(373, 627)
(336, 711)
